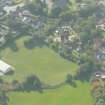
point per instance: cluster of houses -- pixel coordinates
(24, 16)
(100, 53)
(18, 15)
(64, 34)
(3, 3)
(66, 38)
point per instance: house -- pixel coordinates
(100, 75)
(82, 5)
(101, 2)
(55, 3)
(2, 12)
(65, 34)
(61, 36)
(5, 68)
(13, 8)
(61, 3)
(6, 2)
(100, 52)
(101, 25)
(4, 30)
(25, 17)
(49, 3)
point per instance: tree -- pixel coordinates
(3, 98)
(99, 96)
(32, 82)
(69, 78)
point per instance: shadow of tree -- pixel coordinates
(12, 45)
(34, 42)
(70, 80)
(83, 76)
(11, 72)
(3, 98)
(53, 86)
(32, 83)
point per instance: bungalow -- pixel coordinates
(5, 68)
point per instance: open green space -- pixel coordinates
(50, 68)
(65, 95)
(43, 62)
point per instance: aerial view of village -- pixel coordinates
(52, 52)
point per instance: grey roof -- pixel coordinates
(61, 3)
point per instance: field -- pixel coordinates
(50, 68)
(64, 95)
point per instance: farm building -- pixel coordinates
(5, 68)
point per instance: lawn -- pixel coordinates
(65, 95)
(41, 61)
(50, 68)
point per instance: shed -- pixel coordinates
(5, 68)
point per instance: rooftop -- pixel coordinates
(4, 67)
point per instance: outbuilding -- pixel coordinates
(5, 68)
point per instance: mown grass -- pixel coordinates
(43, 62)
(65, 95)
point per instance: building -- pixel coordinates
(55, 3)
(25, 17)
(101, 25)
(61, 3)
(100, 52)
(5, 68)
(99, 75)
(13, 8)
(101, 2)
(4, 30)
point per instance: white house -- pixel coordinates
(5, 68)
